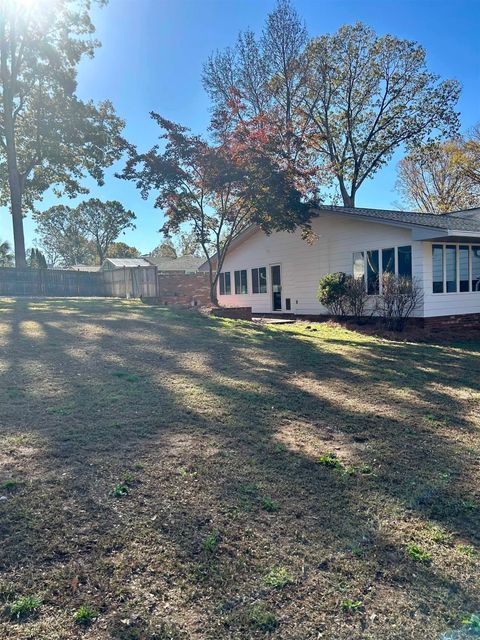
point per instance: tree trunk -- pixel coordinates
(213, 285)
(14, 180)
(348, 200)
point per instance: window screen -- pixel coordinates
(405, 261)
(437, 268)
(451, 267)
(241, 281)
(464, 267)
(388, 260)
(372, 272)
(259, 280)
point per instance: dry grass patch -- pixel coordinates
(170, 475)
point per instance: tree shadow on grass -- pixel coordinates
(220, 416)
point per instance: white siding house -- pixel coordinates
(280, 273)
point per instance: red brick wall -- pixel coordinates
(236, 313)
(186, 289)
(465, 321)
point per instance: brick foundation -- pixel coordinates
(183, 289)
(470, 321)
(235, 313)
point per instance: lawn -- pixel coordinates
(166, 475)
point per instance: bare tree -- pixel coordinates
(432, 179)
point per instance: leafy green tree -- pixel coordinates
(187, 244)
(6, 255)
(165, 249)
(469, 157)
(62, 237)
(432, 179)
(48, 136)
(122, 250)
(215, 191)
(103, 222)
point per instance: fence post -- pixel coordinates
(125, 280)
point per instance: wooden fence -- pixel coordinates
(137, 282)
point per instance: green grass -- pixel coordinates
(25, 607)
(85, 615)
(276, 477)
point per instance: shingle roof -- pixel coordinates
(184, 263)
(128, 262)
(448, 221)
(85, 267)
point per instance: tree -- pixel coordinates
(103, 222)
(48, 136)
(340, 104)
(165, 249)
(187, 244)
(122, 250)
(62, 237)
(6, 255)
(367, 95)
(215, 191)
(469, 156)
(36, 259)
(432, 179)
(265, 78)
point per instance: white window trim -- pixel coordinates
(444, 258)
(380, 264)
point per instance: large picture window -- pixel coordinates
(371, 265)
(241, 282)
(455, 268)
(259, 280)
(224, 283)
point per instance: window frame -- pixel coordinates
(222, 282)
(380, 250)
(257, 282)
(458, 246)
(240, 292)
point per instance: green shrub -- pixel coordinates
(85, 615)
(120, 490)
(472, 623)
(332, 292)
(278, 577)
(25, 607)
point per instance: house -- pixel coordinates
(279, 273)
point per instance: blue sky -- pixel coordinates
(153, 51)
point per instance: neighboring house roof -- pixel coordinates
(127, 262)
(85, 267)
(184, 263)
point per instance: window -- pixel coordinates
(359, 264)
(241, 281)
(288, 304)
(464, 267)
(451, 268)
(224, 282)
(373, 282)
(259, 280)
(476, 268)
(388, 260)
(437, 268)
(405, 261)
